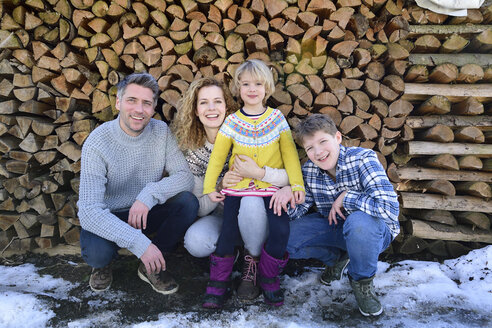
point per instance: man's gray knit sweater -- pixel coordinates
(117, 169)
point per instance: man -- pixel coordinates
(356, 215)
(123, 196)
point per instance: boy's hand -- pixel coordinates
(300, 196)
(280, 199)
(336, 208)
(216, 196)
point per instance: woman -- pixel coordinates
(202, 111)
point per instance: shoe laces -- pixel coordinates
(366, 289)
(249, 269)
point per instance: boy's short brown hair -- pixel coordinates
(312, 124)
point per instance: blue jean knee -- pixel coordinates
(366, 237)
(313, 237)
(97, 251)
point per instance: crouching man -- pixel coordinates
(123, 196)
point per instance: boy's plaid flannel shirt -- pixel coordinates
(368, 189)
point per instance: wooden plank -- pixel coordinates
(449, 203)
(418, 173)
(436, 148)
(456, 59)
(443, 31)
(454, 92)
(433, 230)
(482, 122)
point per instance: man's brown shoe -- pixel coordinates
(162, 282)
(101, 278)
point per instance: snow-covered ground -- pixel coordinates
(457, 293)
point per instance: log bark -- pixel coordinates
(443, 31)
(470, 162)
(462, 59)
(434, 105)
(439, 216)
(450, 203)
(432, 148)
(442, 232)
(417, 173)
(438, 133)
(469, 134)
(442, 187)
(454, 92)
(475, 219)
(417, 122)
(475, 188)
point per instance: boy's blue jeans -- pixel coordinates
(167, 221)
(361, 235)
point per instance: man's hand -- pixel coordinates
(336, 208)
(153, 260)
(230, 179)
(137, 217)
(280, 199)
(248, 168)
(216, 196)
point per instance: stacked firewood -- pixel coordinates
(60, 61)
(444, 173)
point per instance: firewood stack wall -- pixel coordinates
(444, 174)
(363, 62)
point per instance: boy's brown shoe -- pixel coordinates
(101, 278)
(162, 282)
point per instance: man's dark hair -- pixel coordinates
(142, 79)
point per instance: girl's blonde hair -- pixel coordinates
(259, 71)
(186, 125)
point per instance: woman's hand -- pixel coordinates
(230, 179)
(336, 208)
(281, 198)
(216, 196)
(248, 168)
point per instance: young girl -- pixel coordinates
(263, 134)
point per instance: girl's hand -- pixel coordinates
(300, 196)
(230, 179)
(336, 208)
(248, 168)
(216, 196)
(280, 199)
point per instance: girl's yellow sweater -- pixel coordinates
(267, 140)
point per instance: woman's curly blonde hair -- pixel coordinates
(186, 125)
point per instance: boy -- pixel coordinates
(356, 214)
